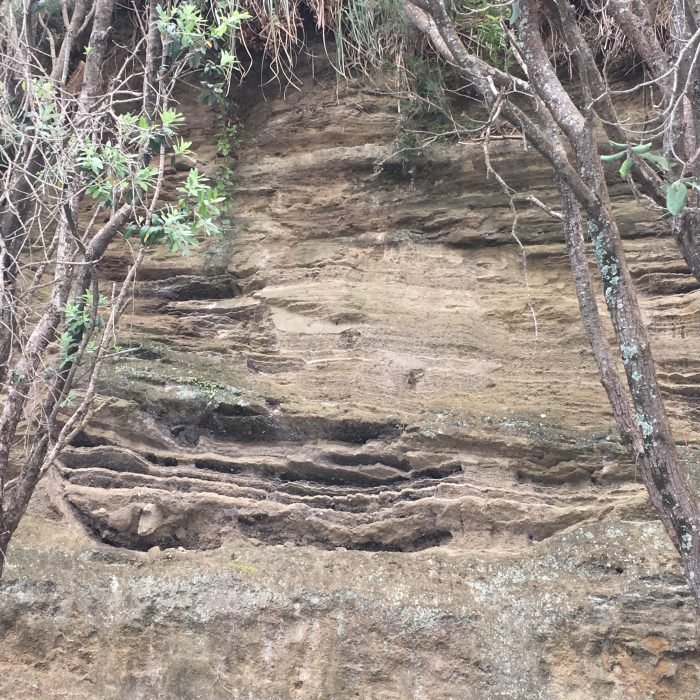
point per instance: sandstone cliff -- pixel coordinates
(345, 460)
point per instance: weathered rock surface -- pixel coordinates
(379, 441)
(597, 612)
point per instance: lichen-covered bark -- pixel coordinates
(590, 315)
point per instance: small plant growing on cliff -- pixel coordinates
(226, 149)
(85, 145)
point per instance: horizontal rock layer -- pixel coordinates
(597, 612)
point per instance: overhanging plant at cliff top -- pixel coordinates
(365, 34)
(88, 124)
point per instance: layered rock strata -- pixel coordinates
(365, 360)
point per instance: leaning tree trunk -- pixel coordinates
(665, 478)
(543, 110)
(14, 232)
(686, 232)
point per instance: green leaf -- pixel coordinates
(676, 196)
(659, 161)
(693, 182)
(614, 144)
(626, 168)
(514, 12)
(130, 230)
(182, 148)
(642, 148)
(227, 58)
(237, 16)
(171, 118)
(613, 156)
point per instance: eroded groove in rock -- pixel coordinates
(388, 499)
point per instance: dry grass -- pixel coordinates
(366, 34)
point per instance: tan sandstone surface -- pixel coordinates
(361, 451)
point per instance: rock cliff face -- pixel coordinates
(370, 443)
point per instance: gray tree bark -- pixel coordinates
(562, 133)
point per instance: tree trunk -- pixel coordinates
(562, 134)
(663, 475)
(588, 306)
(686, 231)
(5, 536)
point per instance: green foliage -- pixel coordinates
(482, 26)
(676, 197)
(626, 149)
(112, 172)
(367, 31)
(171, 119)
(192, 41)
(658, 161)
(613, 156)
(626, 167)
(226, 145)
(77, 322)
(227, 140)
(427, 81)
(182, 148)
(179, 224)
(197, 37)
(426, 106)
(676, 192)
(205, 42)
(377, 32)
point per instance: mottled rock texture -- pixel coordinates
(361, 450)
